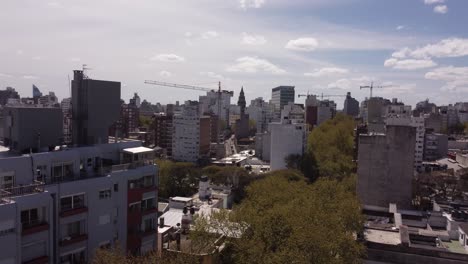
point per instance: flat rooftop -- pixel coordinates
(383, 237)
(137, 150)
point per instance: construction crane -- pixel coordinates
(371, 87)
(219, 93)
(322, 95)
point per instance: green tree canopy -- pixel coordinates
(291, 221)
(177, 178)
(331, 145)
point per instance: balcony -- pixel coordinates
(148, 232)
(73, 239)
(39, 260)
(149, 210)
(73, 211)
(35, 226)
(6, 194)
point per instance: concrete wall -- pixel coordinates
(385, 167)
(32, 127)
(286, 139)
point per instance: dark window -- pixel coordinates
(116, 187)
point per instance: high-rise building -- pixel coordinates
(405, 119)
(261, 113)
(209, 104)
(61, 206)
(96, 106)
(351, 106)
(326, 110)
(311, 105)
(386, 167)
(288, 137)
(162, 133)
(191, 136)
(36, 93)
(281, 96)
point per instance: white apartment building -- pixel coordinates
(287, 137)
(186, 133)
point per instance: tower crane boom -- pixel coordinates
(371, 87)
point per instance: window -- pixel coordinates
(29, 217)
(7, 180)
(134, 207)
(74, 229)
(147, 204)
(148, 225)
(74, 258)
(72, 202)
(116, 187)
(62, 171)
(104, 194)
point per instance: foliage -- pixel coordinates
(237, 177)
(331, 146)
(145, 121)
(177, 178)
(284, 219)
(116, 256)
(466, 128)
(305, 163)
(458, 129)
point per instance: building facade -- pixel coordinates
(281, 96)
(435, 146)
(351, 106)
(386, 167)
(287, 138)
(59, 207)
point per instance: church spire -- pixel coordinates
(241, 102)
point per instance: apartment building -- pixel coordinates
(60, 206)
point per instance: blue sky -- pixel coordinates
(320, 46)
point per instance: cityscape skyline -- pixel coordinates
(419, 46)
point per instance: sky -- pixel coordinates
(417, 47)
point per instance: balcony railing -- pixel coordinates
(34, 226)
(73, 239)
(6, 194)
(74, 211)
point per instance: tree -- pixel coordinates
(177, 178)
(117, 256)
(331, 145)
(305, 163)
(237, 177)
(291, 221)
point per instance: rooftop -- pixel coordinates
(137, 150)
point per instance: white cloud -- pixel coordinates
(456, 78)
(431, 2)
(188, 34)
(327, 72)
(75, 59)
(452, 47)
(400, 27)
(37, 58)
(253, 65)
(409, 64)
(19, 52)
(251, 3)
(168, 58)
(350, 83)
(212, 75)
(165, 74)
(30, 77)
(209, 34)
(302, 44)
(4, 75)
(441, 9)
(253, 39)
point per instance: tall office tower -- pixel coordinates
(96, 106)
(386, 167)
(351, 106)
(281, 96)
